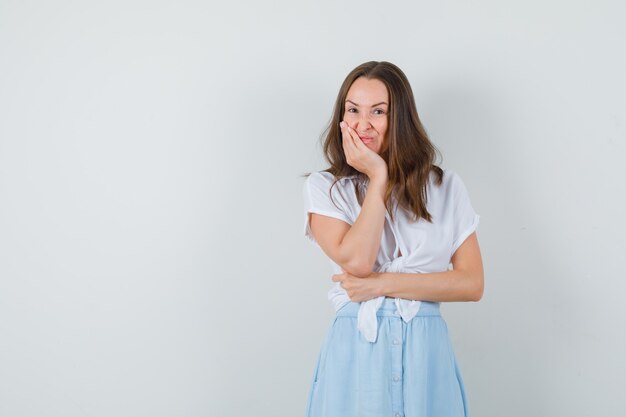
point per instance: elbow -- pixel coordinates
(478, 289)
(358, 268)
(476, 296)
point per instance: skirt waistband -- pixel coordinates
(388, 308)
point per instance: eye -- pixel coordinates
(379, 111)
(350, 110)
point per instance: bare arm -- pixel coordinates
(355, 247)
(464, 283)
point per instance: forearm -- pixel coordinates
(453, 285)
(362, 242)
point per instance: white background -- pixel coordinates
(152, 256)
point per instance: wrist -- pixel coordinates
(378, 179)
(378, 186)
(383, 284)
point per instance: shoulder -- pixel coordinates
(434, 184)
(451, 186)
(325, 178)
(451, 178)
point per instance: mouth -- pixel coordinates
(366, 139)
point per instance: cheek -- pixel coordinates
(381, 127)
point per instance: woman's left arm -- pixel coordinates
(465, 282)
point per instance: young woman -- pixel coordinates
(391, 223)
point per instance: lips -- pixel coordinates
(366, 139)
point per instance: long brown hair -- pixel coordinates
(407, 150)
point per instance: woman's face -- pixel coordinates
(366, 111)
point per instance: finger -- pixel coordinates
(347, 141)
(356, 144)
(345, 133)
(353, 136)
(356, 139)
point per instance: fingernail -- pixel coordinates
(342, 124)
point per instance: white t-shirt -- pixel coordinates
(425, 247)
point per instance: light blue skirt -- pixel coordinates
(410, 371)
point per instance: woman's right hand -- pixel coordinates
(360, 156)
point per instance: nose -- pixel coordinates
(363, 124)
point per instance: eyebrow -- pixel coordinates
(373, 105)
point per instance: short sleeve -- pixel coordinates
(317, 200)
(465, 219)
